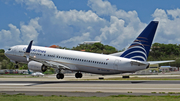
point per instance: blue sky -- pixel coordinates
(69, 22)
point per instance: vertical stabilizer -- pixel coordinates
(139, 49)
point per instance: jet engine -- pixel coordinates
(36, 66)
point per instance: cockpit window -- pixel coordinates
(9, 49)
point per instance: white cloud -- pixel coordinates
(23, 35)
(38, 5)
(118, 34)
(59, 25)
(105, 8)
(30, 31)
(9, 37)
(123, 26)
(74, 41)
(174, 13)
(69, 28)
(102, 7)
(169, 25)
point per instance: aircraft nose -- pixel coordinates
(6, 52)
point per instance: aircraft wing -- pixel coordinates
(56, 65)
(157, 62)
(50, 63)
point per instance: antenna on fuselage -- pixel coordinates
(27, 53)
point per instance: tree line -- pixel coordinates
(158, 52)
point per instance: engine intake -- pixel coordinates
(36, 66)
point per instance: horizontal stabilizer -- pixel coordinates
(55, 64)
(138, 63)
(157, 62)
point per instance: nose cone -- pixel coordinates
(7, 52)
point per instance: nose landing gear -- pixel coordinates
(16, 66)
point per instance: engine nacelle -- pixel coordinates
(36, 66)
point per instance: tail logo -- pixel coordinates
(137, 49)
(140, 48)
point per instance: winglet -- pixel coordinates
(27, 53)
(29, 47)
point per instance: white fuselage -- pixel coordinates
(76, 60)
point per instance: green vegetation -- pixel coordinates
(96, 48)
(165, 52)
(4, 61)
(6, 64)
(23, 97)
(162, 93)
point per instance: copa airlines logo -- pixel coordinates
(137, 50)
(35, 50)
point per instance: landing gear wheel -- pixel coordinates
(60, 76)
(125, 76)
(78, 75)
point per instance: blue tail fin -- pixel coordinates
(29, 72)
(139, 49)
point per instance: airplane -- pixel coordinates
(35, 73)
(131, 60)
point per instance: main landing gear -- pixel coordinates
(78, 75)
(59, 76)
